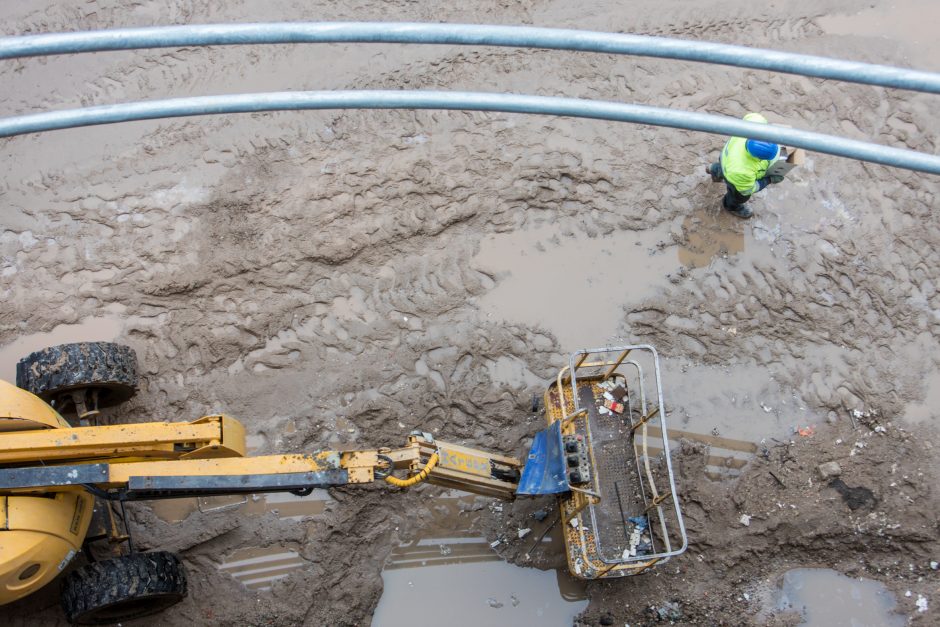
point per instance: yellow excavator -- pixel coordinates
(63, 483)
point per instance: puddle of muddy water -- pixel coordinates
(743, 402)
(911, 23)
(573, 286)
(826, 598)
(258, 568)
(103, 329)
(451, 571)
(930, 408)
(710, 234)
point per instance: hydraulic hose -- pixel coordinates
(415, 479)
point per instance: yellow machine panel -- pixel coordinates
(21, 410)
(38, 538)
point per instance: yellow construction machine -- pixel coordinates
(63, 484)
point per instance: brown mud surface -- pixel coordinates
(337, 279)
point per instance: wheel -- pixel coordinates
(123, 588)
(104, 371)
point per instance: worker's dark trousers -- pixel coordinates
(733, 198)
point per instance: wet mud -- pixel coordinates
(338, 279)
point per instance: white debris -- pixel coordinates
(745, 520)
(747, 597)
(880, 429)
(524, 532)
(908, 593)
(934, 565)
(495, 543)
(921, 603)
(574, 523)
(766, 409)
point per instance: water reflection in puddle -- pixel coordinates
(451, 571)
(103, 329)
(489, 593)
(826, 598)
(258, 568)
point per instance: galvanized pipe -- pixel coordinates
(467, 34)
(468, 101)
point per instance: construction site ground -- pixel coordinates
(337, 279)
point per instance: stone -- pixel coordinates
(829, 469)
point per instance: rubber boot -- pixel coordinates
(741, 211)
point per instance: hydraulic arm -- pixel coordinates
(160, 460)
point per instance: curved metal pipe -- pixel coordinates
(468, 101)
(468, 34)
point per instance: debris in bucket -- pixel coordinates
(540, 514)
(614, 406)
(640, 542)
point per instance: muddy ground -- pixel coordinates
(341, 278)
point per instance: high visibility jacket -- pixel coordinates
(741, 169)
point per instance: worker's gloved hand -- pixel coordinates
(773, 179)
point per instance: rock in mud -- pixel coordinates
(829, 469)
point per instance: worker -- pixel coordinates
(743, 167)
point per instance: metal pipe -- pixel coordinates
(468, 101)
(468, 34)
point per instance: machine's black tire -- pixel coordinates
(123, 588)
(109, 367)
